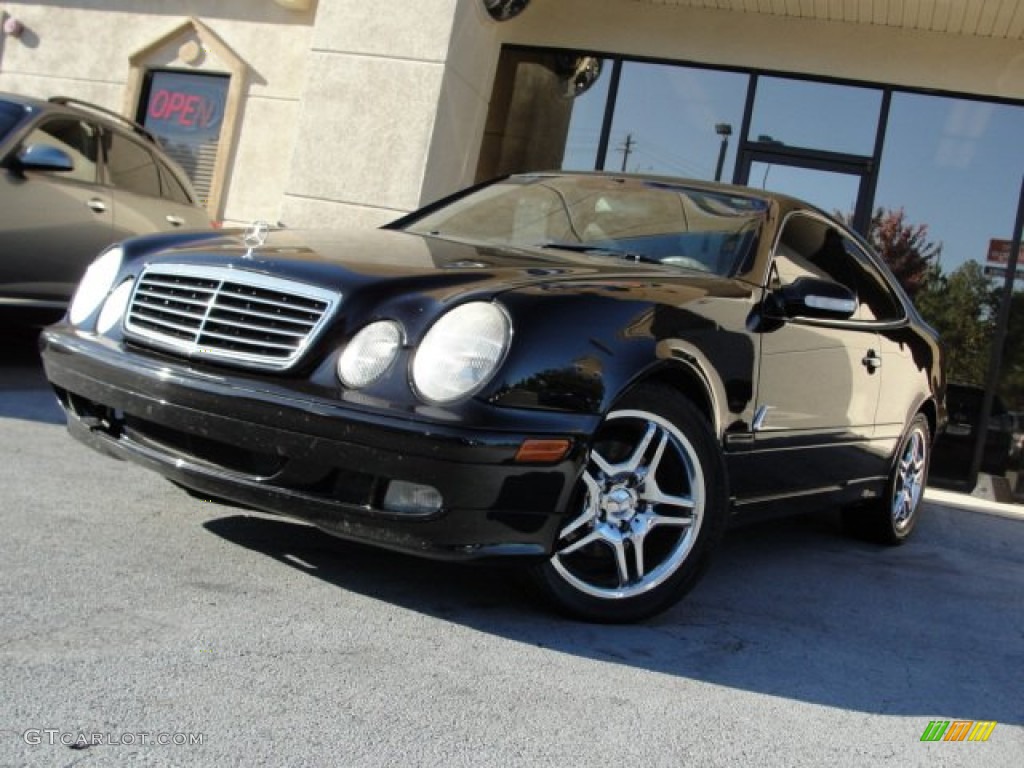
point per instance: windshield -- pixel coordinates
(644, 220)
(10, 115)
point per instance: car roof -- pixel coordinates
(84, 109)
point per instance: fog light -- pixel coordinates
(411, 499)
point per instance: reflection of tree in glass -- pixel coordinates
(960, 306)
(905, 247)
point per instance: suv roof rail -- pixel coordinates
(67, 100)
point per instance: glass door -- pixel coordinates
(839, 185)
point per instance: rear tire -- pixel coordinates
(648, 511)
(891, 519)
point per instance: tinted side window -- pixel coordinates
(131, 166)
(809, 247)
(170, 187)
(876, 297)
(78, 139)
(10, 115)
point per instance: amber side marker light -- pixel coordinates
(542, 450)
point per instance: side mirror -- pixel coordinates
(43, 157)
(815, 298)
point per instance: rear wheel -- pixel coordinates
(891, 519)
(649, 508)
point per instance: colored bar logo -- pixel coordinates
(958, 730)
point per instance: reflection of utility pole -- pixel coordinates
(627, 149)
(725, 131)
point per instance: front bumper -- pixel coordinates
(287, 452)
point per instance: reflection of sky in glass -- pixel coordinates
(670, 114)
(953, 164)
(832, 192)
(956, 166)
(836, 118)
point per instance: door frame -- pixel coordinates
(776, 153)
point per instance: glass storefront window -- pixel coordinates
(954, 166)
(185, 111)
(814, 115)
(666, 116)
(833, 192)
(584, 137)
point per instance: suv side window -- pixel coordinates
(131, 167)
(810, 247)
(75, 137)
(170, 187)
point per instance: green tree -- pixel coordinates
(961, 307)
(1011, 379)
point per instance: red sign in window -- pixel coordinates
(181, 103)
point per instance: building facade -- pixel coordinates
(349, 111)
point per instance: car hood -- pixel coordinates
(394, 261)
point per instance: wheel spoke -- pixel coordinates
(638, 554)
(676, 522)
(619, 547)
(590, 538)
(659, 453)
(602, 464)
(656, 496)
(633, 463)
(590, 512)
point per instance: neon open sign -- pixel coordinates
(190, 110)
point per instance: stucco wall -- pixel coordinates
(393, 108)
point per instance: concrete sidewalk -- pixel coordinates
(983, 499)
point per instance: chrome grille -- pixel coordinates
(228, 315)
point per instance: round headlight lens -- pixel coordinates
(370, 353)
(461, 352)
(115, 306)
(97, 282)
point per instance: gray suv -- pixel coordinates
(76, 178)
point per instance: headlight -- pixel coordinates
(115, 306)
(97, 282)
(370, 353)
(461, 351)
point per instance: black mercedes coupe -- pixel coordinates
(587, 373)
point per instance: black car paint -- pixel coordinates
(586, 329)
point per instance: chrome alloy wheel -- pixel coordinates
(642, 509)
(909, 480)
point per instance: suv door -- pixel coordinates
(148, 197)
(52, 223)
(819, 380)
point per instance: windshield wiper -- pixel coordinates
(597, 250)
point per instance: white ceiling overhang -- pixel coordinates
(998, 19)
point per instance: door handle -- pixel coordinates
(872, 361)
(173, 220)
(97, 205)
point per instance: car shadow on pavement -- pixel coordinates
(790, 608)
(21, 374)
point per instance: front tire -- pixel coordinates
(649, 509)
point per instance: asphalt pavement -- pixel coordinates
(141, 626)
